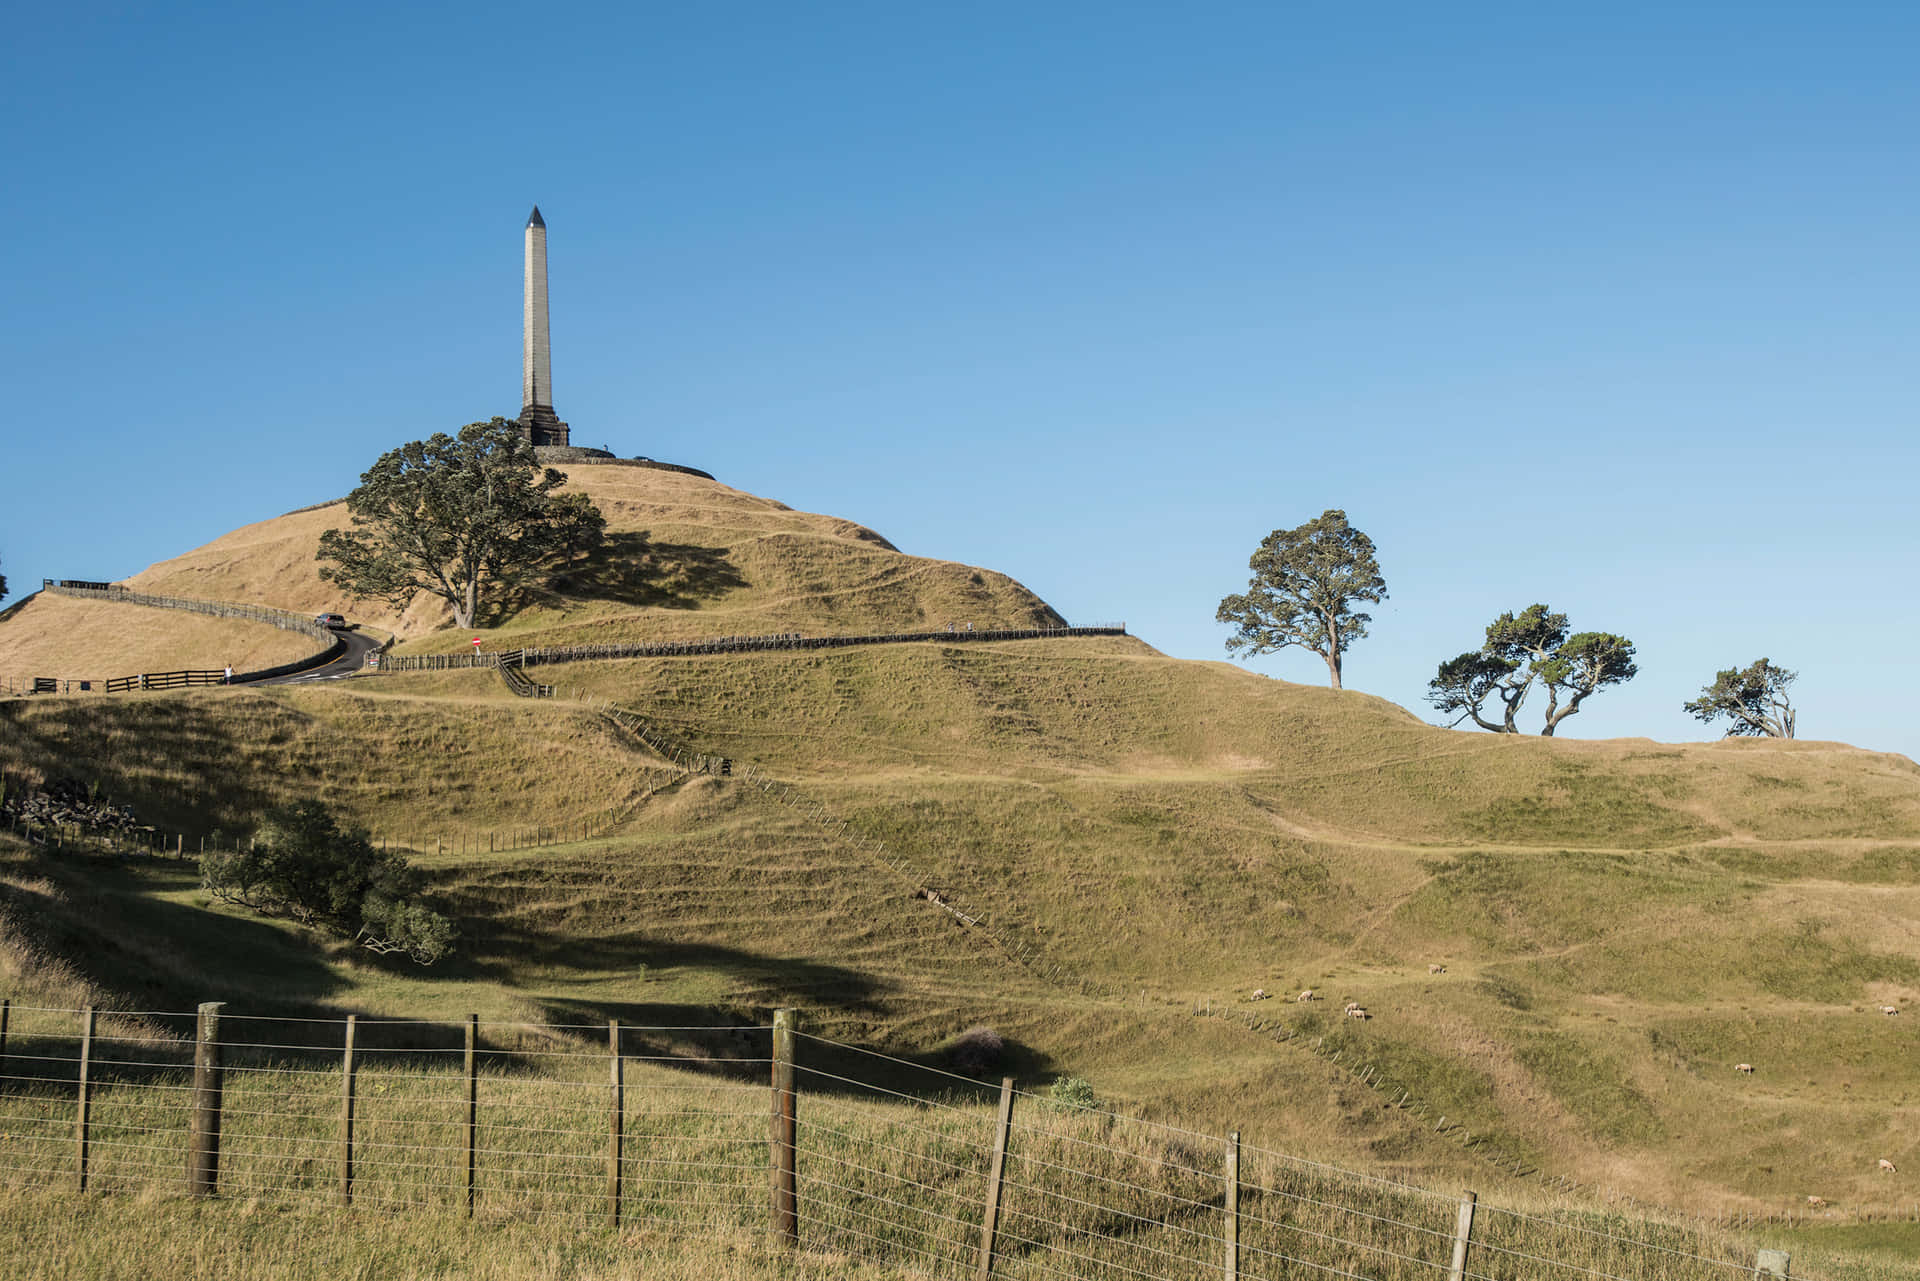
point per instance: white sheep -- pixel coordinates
(1744, 1067)
(1889, 1009)
(1888, 1167)
(1816, 1201)
(1259, 994)
(1436, 969)
(1306, 996)
(1355, 1010)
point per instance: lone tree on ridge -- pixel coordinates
(1304, 586)
(455, 517)
(1754, 698)
(1523, 652)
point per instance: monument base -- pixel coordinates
(543, 426)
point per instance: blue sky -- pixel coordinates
(1614, 309)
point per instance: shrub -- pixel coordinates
(304, 865)
(976, 1051)
(1071, 1094)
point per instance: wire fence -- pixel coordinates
(867, 1153)
(729, 645)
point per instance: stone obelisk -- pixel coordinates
(536, 385)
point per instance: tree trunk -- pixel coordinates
(1333, 667)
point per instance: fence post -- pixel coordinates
(786, 1207)
(83, 1115)
(203, 1128)
(473, 1110)
(1462, 1235)
(1232, 1234)
(349, 1072)
(996, 1178)
(6, 1011)
(616, 1120)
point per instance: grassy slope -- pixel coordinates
(1621, 921)
(685, 558)
(63, 636)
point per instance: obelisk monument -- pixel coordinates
(536, 385)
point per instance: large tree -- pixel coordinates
(1527, 651)
(1754, 698)
(1305, 584)
(457, 517)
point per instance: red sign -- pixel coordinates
(476, 642)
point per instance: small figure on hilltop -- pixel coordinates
(229, 675)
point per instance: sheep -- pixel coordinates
(1436, 969)
(1355, 1010)
(1259, 994)
(1816, 1201)
(1889, 1009)
(1306, 996)
(1744, 1067)
(1888, 1167)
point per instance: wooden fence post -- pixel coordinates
(203, 1128)
(786, 1206)
(616, 1122)
(1462, 1236)
(996, 1179)
(84, 1114)
(349, 1072)
(6, 1011)
(1232, 1205)
(473, 1110)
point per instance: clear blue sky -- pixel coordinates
(1615, 308)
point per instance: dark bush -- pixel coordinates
(976, 1051)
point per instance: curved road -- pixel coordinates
(351, 663)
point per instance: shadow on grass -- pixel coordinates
(631, 569)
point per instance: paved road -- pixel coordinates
(359, 644)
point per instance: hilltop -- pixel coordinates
(1619, 922)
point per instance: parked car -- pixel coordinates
(338, 622)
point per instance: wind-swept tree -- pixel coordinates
(1525, 651)
(1305, 584)
(1754, 698)
(455, 517)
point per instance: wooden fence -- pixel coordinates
(286, 620)
(667, 1128)
(529, 657)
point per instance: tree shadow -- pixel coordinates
(632, 569)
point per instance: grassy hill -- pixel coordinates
(63, 636)
(685, 557)
(1620, 922)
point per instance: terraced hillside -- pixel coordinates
(1147, 840)
(685, 557)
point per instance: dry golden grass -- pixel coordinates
(89, 639)
(686, 557)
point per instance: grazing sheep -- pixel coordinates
(1816, 1201)
(1306, 996)
(1888, 1166)
(1259, 994)
(1355, 1010)
(1744, 1067)
(1889, 1009)
(1436, 969)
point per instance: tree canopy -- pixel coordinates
(1304, 586)
(459, 518)
(1753, 698)
(302, 864)
(1523, 652)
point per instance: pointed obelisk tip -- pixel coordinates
(534, 219)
